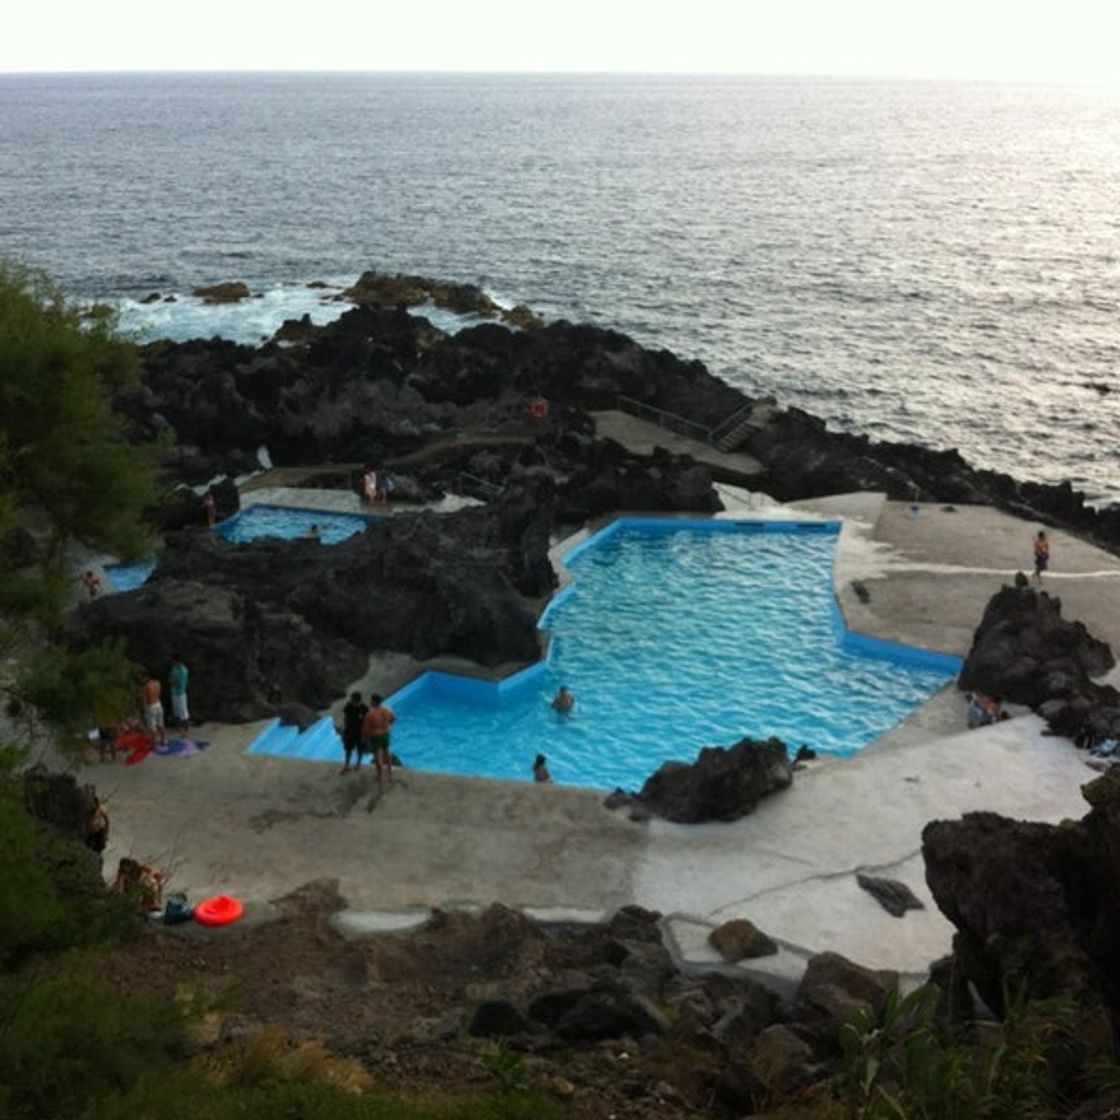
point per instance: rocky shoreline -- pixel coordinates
(505, 415)
(602, 1015)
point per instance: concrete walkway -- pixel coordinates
(259, 826)
(642, 436)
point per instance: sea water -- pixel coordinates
(925, 261)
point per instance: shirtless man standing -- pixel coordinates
(375, 732)
(150, 693)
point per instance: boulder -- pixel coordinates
(723, 784)
(600, 1015)
(273, 621)
(739, 939)
(643, 966)
(780, 1060)
(1034, 904)
(245, 656)
(497, 1018)
(549, 1007)
(58, 800)
(1026, 652)
(635, 923)
(182, 508)
(229, 291)
(894, 897)
(835, 988)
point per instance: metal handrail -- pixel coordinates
(664, 419)
(725, 425)
(682, 424)
(481, 482)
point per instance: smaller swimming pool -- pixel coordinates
(253, 522)
(289, 523)
(128, 577)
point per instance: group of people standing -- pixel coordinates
(376, 486)
(151, 699)
(365, 730)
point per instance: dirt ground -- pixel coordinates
(400, 1003)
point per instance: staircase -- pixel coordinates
(727, 435)
(319, 741)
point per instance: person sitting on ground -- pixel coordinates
(978, 715)
(91, 583)
(563, 700)
(353, 713)
(152, 706)
(375, 731)
(994, 707)
(540, 769)
(136, 879)
(1041, 555)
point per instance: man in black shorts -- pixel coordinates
(352, 715)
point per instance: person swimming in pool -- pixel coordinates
(563, 701)
(540, 769)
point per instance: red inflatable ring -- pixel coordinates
(218, 911)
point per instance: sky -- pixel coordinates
(1001, 40)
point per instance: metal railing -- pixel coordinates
(480, 483)
(681, 424)
(725, 426)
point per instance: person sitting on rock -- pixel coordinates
(993, 705)
(540, 769)
(979, 713)
(563, 700)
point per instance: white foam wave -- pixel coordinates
(253, 320)
(248, 321)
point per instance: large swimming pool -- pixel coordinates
(674, 636)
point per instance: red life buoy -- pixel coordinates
(218, 911)
(538, 408)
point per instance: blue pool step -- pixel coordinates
(319, 741)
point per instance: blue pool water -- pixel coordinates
(285, 522)
(673, 638)
(289, 523)
(128, 577)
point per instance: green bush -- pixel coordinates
(910, 1068)
(64, 1042)
(51, 893)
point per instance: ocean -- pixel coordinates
(930, 262)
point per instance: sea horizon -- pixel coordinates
(917, 259)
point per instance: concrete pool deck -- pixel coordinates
(258, 826)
